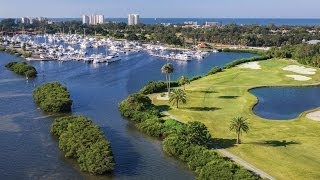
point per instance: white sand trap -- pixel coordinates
(299, 77)
(163, 98)
(314, 115)
(250, 65)
(300, 69)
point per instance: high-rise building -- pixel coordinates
(85, 19)
(133, 19)
(30, 20)
(93, 19)
(25, 20)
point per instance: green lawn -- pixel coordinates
(284, 149)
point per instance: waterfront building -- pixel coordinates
(92, 19)
(30, 20)
(133, 19)
(25, 20)
(211, 24)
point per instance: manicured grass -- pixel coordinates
(284, 149)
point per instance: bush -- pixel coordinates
(153, 127)
(195, 78)
(137, 106)
(80, 139)
(186, 142)
(156, 87)
(22, 68)
(214, 70)
(254, 51)
(53, 97)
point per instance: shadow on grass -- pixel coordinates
(228, 97)
(202, 108)
(163, 108)
(223, 143)
(204, 91)
(276, 143)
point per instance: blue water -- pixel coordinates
(224, 21)
(239, 21)
(28, 151)
(284, 103)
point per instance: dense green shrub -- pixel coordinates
(53, 97)
(186, 142)
(214, 70)
(153, 127)
(195, 78)
(27, 54)
(308, 54)
(157, 86)
(254, 51)
(22, 68)
(138, 106)
(245, 60)
(80, 139)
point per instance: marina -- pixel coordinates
(66, 47)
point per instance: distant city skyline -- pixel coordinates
(162, 9)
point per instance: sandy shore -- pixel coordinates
(314, 115)
(250, 65)
(300, 69)
(299, 77)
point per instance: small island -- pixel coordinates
(53, 98)
(22, 68)
(82, 140)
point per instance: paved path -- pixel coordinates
(235, 158)
(245, 164)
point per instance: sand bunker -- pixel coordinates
(163, 97)
(314, 115)
(250, 65)
(300, 69)
(299, 77)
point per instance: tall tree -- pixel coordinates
(239, 125)
(167, 69)
(183, 81)
(178, 96)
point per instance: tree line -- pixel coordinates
(231, 34)
(308, 54)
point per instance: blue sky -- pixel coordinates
(163, 8)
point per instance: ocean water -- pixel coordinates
(239, 21)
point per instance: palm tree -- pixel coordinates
(239, 125)
(183, 81)
(178, 96)
(167, 69)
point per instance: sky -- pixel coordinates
(162, 8)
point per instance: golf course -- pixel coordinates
(285, 149)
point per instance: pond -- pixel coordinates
(285, 103)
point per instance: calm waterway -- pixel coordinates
(28, 151)
(284, 103)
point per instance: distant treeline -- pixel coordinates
(232, 34)
(22, 68)
(307, 54)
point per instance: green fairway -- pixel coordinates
(283, 149)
